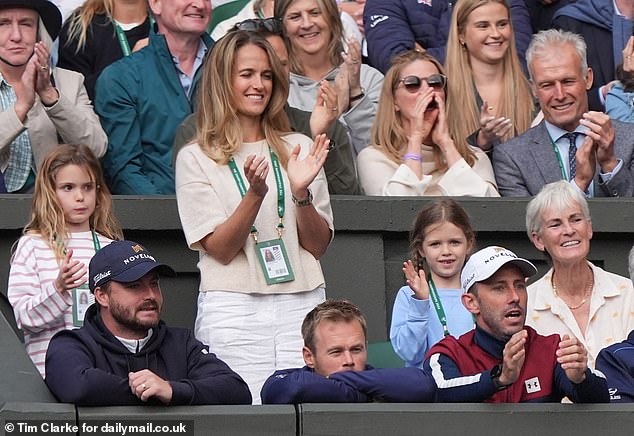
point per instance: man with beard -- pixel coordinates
(124, 354)
(502, 360)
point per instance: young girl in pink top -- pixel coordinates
(71, 219)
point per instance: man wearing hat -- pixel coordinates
(39, 107)
(502, 360)
(124, 354)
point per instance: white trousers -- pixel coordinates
(255, 334)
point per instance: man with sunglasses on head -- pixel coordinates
(339, 166)
(142, 98)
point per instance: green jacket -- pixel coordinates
(141, 102)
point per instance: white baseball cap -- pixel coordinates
(486, 262)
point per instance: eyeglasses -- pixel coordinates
(272, 25)
(413, 83)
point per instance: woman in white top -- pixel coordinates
(413, 153)
(253, 201)
(574, 297)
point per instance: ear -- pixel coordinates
(309, 359)
(590, 231)
(396, 108)
(589, 79)
(533, 87)
(470, 302)
(155, 6)
(537, 241)
(101, 297)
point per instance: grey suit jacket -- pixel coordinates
(524, 164)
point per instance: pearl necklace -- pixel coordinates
(589, 286)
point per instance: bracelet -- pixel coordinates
(303, 201)
(358, 96)
(413, 156)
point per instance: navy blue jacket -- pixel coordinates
(462, 368)
(303, 385)
(616, 362)
(89, 367)
(393, 26)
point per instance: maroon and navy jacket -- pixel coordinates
(462, 368)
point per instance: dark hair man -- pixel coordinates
(124, 354)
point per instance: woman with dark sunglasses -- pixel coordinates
(487, 85)
(313, 32)
(413, 152)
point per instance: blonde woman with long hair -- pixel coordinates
(413, 152)
(489, 99)
(71, 218)
(101, 32)
(248, 186)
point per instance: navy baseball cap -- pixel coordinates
(123, 261)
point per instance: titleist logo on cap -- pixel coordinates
(101, 276)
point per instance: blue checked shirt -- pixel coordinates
(19, 163)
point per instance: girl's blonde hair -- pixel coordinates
(218, 129)
(388, 134)
(80, 19)
(47, 216)
(517, 102)
(331, 15)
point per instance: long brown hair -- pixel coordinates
(388, 134)
(218, 129)
(437, 212)
(47, 216)
(331, 15)
(517, 102)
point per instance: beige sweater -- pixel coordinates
(207, 195)
(381, 176)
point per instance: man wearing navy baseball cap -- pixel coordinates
(502, 360)
(124, 354)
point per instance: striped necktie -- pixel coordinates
(572, 152)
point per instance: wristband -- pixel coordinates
(357, 97)
(412, 156)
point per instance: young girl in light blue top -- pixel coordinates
(430, 308)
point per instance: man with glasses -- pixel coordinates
(339, 166)
(141, 99)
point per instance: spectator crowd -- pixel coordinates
(252, 120)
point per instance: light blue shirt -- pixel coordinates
(415, 325)
(186, 81)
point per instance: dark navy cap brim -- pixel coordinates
(138, 271)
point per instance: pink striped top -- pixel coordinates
(40, 310)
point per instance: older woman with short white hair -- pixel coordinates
(575, 297)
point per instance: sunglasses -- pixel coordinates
(272, 25)
(413, 83)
